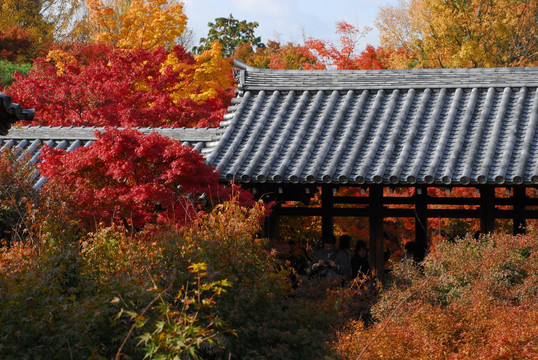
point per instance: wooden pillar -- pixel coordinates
(519, 223)
(272, 228)
(377, 241)
(327, 203)
(421, 222)
(487, 209)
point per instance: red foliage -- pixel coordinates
(470, 299)
(99, 85)
(130, 177)
(14, 42)
(342, 55)
(277, 56)
(372, 58)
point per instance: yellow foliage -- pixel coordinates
(460, 33)
(137, 23)
(200, 80)
(59, 59)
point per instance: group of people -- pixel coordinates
(329, 261)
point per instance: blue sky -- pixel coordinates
(287, 20)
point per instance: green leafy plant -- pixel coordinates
(8, 69)
(185, 325)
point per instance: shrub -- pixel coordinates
(264, 319)
(130, 178)
(468, 299)
(8, 69)
(49, 309)
(209, 290)
(18, 199)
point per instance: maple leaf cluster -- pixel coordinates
(129, 178)
(99, 85)
(137, 23)
(132, 74)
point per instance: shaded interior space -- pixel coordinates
(394, 221)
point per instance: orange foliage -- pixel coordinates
(276, 56)
(343, 56)
(137, 24)
(482, 308)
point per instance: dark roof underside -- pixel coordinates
(447, 127)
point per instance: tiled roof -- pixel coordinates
(11, 113)
(435, 126)
(28, 140)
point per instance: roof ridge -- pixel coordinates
(252, 78)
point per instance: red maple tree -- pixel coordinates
(130, 178)
(99, 85)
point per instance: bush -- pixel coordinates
(130, 178)
(50, 309)
(210, 290)
(8, 69)
(468, 299)
(18, 199)
(261, 318)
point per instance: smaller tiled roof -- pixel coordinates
(11, 113)
(27, 141)
(395, 127)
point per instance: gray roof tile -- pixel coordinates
(443, 126)
(435, 126)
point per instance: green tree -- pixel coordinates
(230, 33)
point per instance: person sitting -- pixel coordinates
(329, 262)
(359, 261)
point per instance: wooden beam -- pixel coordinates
(377, 241)
(410, 213)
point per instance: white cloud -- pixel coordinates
(274, 8)
(286, 20)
